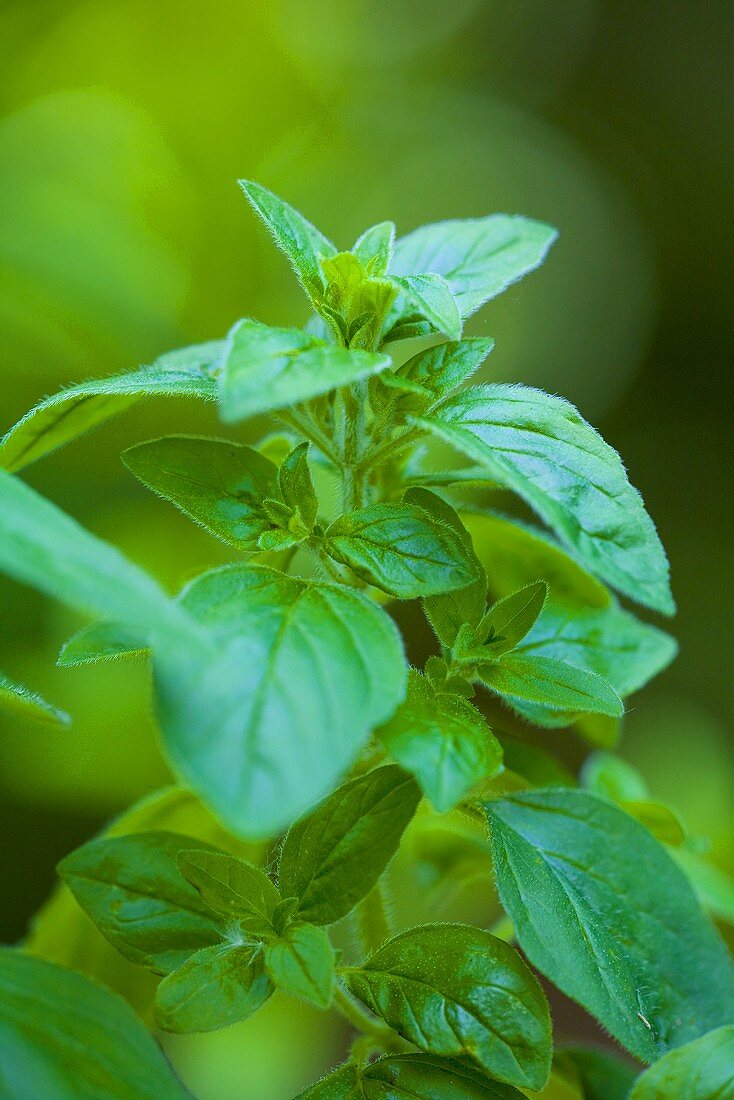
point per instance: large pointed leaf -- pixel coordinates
(63, 1037)
(43, 547)
(542, 448)
(270, 368)
(218, 484)
(600, 908)
(457, 991)
(58, 419)
(478, 257)
(550, 684)
(296, 677)
(301, 242)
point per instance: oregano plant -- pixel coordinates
(312, 758)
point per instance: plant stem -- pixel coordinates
(374, 925)
(380, 1034)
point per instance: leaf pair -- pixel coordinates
(217, 926)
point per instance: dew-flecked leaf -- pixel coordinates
(457, 991)
(218, 986)
(653, 970)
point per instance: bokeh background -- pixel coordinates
(123, 127)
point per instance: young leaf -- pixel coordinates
(509, 619)
(609, 641)
(401, 549)
(15, 697)
(63, 1037)
(432, 297)
(443, 740)
(57, 420)
(332, 858)
(232, 888)
(218, 485)
(409, 1077)
(700, 1070)
(296, 676)
(296, 484)
(652, 970)
(439, 370)
(43, 547)
(301, 242)
(374, 248)
(101, 642)
(270, 368)
(479, 257)
(301, 962)
(555, 685)
(217, 986)
(447, 614)
(132, 889)
(457, 991)
(540, 447)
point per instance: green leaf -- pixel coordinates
(553, 684)
(447, 614)
(296, 484)
(133, 890)
(479, 257)
(374, 248)
(301, 962)
(602, 1076)
(101, 642)
(270, 368)
(712, 886)
(540, 447)
(343, 1084)
(296, 676)
(57, 420)
(661, 820)
(16, 698)
(301, 242)
(216, 987)
(232, 888)
(332, 858)
(401, 549)
(431, 296)
(516, 553)
(509, 619)
(609, 775)
(700, 1070)
(438, 371)
(457, 991)
(652, 970)
(43, 547)
(217, 484)
(609, 641)
(63, 1037)
(443, 740)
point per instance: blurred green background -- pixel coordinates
(123, 127)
